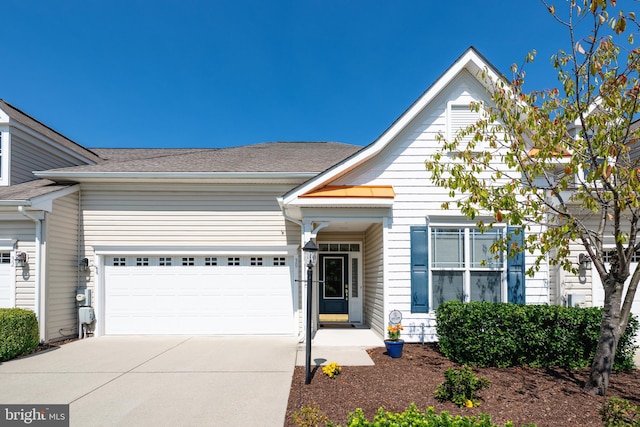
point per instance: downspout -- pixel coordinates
(301, 332)
(37, 293)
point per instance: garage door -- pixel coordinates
(198, 295)
(5, 280)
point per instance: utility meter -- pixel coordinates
(83, 297)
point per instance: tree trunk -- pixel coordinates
(610, 333)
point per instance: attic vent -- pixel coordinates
(460, 117)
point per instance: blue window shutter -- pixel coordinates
(419, 270)
(515, 266)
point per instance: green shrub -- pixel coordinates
(460, 386)
(18, 332)
(502, 335)
(416, 418)
(620, 413)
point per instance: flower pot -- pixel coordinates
(394, 348)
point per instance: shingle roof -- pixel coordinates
(29, 190)
(23, 118)
(274, 157)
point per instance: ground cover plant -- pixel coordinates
(544, 396)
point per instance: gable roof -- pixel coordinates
(273, 159)
(471, 60)
(17, 116)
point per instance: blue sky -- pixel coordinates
(134, 73)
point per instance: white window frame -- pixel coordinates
(466, 267)
(5, 153)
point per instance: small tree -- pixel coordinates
(563, 162)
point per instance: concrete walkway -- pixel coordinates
(159, 381)
(347, 347)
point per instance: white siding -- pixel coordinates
(401, 164)
(61, 276)
(374, 279)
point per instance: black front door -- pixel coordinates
(334, 287)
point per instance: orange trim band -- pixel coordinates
(356, 191)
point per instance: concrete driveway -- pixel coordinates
(159, 381)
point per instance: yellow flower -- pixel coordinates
(332, 369)
(468, 404)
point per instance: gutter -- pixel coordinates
(38, 283)
(78, 175)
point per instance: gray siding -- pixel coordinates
(183, 216)
(374, 279)
(28, 155)
(62, 268)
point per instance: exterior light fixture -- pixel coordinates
(21, 259)
(310, 257)
(310, 254)
(83, 265)
(585, 261)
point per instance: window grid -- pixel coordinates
(256, 261)
(164, 261)
(119, 262)
(608, 255)
(188, 261)
(210, 261)
(233, 261)
(339, 247)
(5, 258)
(142, 262)
(463, 267)
(279, 261)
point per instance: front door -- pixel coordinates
(334, 286)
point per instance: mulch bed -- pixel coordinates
(546, 397)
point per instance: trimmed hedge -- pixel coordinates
(502, 335)
(18, 332)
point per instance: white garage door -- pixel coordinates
(198, 295)
(5, 280)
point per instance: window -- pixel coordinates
(338, 247)
(164, 261)
(188, 261)
(210, 261)
(142, 262)
(233, 261)
(456, 263)
(119, 262)
(463, 266)
(256, 260)
(5, 258)
(279, 261)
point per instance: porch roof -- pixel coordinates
(353, 191)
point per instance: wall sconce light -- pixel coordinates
(83, 265)
(585, 261)
(21, 259)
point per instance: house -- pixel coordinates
(208, 241)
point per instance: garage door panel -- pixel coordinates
(198, 300)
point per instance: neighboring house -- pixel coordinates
(208, 241)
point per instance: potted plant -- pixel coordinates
(394, 344)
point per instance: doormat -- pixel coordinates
(337, 325)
